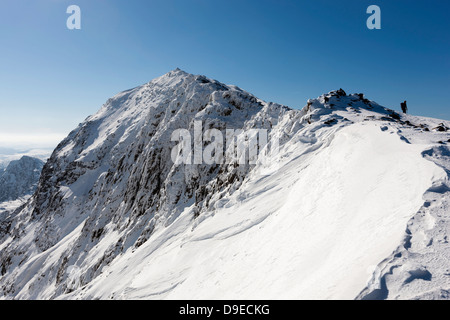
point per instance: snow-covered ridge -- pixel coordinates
(113, 217)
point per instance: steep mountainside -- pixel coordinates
(114, 217)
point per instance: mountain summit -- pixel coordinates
(116, 216)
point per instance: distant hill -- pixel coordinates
(20, 178)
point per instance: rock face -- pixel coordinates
(20, 178)
(111, 198)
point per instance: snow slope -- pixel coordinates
(420, 267)
(353, 186)
(292, 234)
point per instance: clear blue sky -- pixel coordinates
(52, 78)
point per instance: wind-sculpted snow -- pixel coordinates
(419, 268)
(114, 217)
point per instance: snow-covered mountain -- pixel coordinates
(354, 204)
(18, 181)
(20, 178)
(9, 154)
